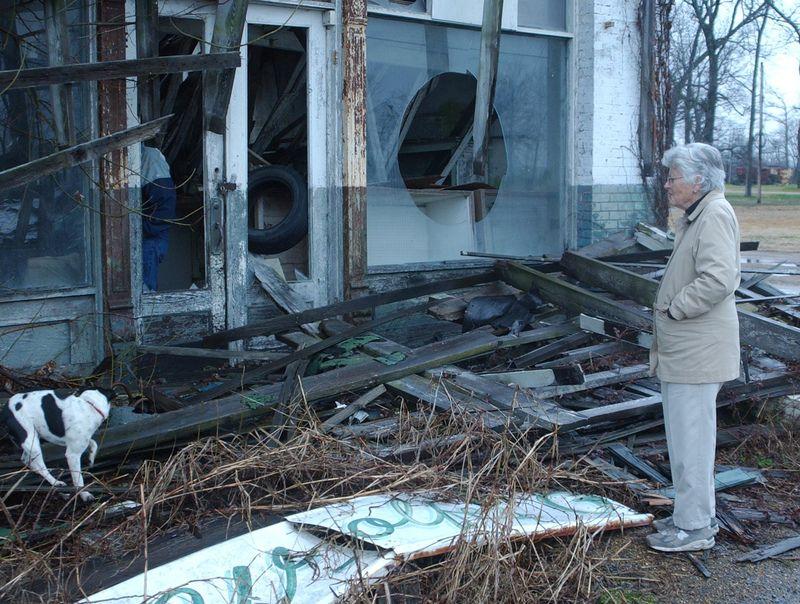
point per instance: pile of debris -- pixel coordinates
(481, 389)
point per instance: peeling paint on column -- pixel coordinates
(354, 134)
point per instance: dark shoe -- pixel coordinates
(682, 541)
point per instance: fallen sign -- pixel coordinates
(287, 563)
(277, 563)
(415, 526)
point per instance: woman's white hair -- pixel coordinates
(697, 160)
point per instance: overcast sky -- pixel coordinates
(781, 74)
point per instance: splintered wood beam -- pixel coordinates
(626, 409)
(293, 321)
(229, 25)
(548, 351)
(521, 408)
(57, 29)
(642, 467)
(368, 374)
(537, 378)
(768, 551)
(615, 330)
(50, 164)
(180, 351)
(616, 280)
(574, 299)
(147, 89)
(596, 380)
(109, 70)
(358, 404)
(304, 353)
(277, 289)
(487, 80)
(771, 336)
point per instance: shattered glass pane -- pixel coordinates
(550, 14)
(44, 227)
(424, 203)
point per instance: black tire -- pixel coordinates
(289, 231)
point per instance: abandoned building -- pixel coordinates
(342, 158)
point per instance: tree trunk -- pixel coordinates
(710, 102)
(748, 182)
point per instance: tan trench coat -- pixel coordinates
(701, 345)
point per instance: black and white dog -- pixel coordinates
(66, 419)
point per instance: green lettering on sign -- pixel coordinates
(195, 598)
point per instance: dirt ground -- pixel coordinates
(777, 227)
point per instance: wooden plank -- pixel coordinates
(354, 117)
(378, 429)
(626, 457)
(304, 353)
(284, 419)
(371, 374)
(573, 298)
(109, 70)
(162, 401)
(727, 479)
(229, 23)
(770, 551)
(485, 87)
(50, 164)
(277, 289)
(619, 281)
(295, 320)
(618, 474)
(626, 409)
(537, 378)
(587, 353)
(596, 380)
(539, 334)
(180, 351)
(524, 404)
(773, 337)
(358, 404)
(523, 407)
(615, 330)
(148, 91)
(730, 523)
(57, 31)
(438, 394)
(548, 351)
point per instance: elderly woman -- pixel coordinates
(696, 343)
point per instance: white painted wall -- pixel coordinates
(616, 92)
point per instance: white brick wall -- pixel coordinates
(616, 92)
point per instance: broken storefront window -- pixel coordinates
(173, 217)
(44, 225)
(424, 203)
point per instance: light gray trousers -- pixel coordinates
(690, 420)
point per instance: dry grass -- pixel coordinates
(254, 474)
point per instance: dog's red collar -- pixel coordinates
(95, 408)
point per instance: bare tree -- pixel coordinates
(719, 22)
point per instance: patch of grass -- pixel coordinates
(772, 195)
